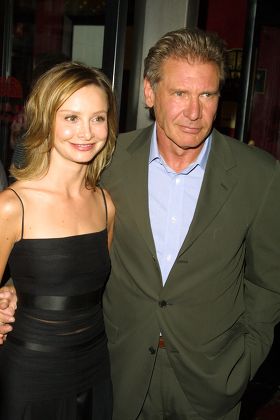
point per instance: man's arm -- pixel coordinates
(262, 272)
(8, 304)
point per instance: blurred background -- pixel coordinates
(115, 35)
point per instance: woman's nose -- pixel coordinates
(85, 130)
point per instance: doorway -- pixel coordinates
(258, 114)
(36, 34)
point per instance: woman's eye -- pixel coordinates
(99, 118)
(71, 118)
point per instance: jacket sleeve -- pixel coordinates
(262, 272)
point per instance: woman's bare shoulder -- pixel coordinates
(106, 193)
(109, 201)
(10, 205)
(11, 214)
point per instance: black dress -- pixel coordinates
(54, 365)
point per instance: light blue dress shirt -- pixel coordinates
(172, 202)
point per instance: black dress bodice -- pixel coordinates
(58, 346)
(59, 282)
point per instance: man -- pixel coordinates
(193, 295)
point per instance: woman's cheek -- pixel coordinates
(66, 133)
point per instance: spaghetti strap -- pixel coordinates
(105, 204)
(22, 206)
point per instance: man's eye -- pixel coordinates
(209, 94)
(179, 93)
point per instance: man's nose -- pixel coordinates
(192, 108)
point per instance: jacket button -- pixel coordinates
(162, 303)
(152, 350)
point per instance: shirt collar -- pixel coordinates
(201, 159)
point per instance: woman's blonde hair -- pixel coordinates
(49, 92)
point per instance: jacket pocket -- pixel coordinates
(236, 334)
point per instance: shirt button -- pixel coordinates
(173, 219)
(168, 258)
(177, 181)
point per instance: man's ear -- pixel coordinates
(149, 94)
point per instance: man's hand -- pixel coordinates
(8, 304)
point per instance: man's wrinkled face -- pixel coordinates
(185, 102)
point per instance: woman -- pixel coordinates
(55, 229)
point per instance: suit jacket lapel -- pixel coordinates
(137, 184)
(218, 184)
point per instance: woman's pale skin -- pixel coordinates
(59, 204)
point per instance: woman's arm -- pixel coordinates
(10, 232)
(111, 217)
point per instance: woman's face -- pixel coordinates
(81, 125)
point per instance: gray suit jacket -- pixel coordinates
(222, 294)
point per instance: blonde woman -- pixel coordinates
(55, 231)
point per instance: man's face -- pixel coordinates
(185, 102)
